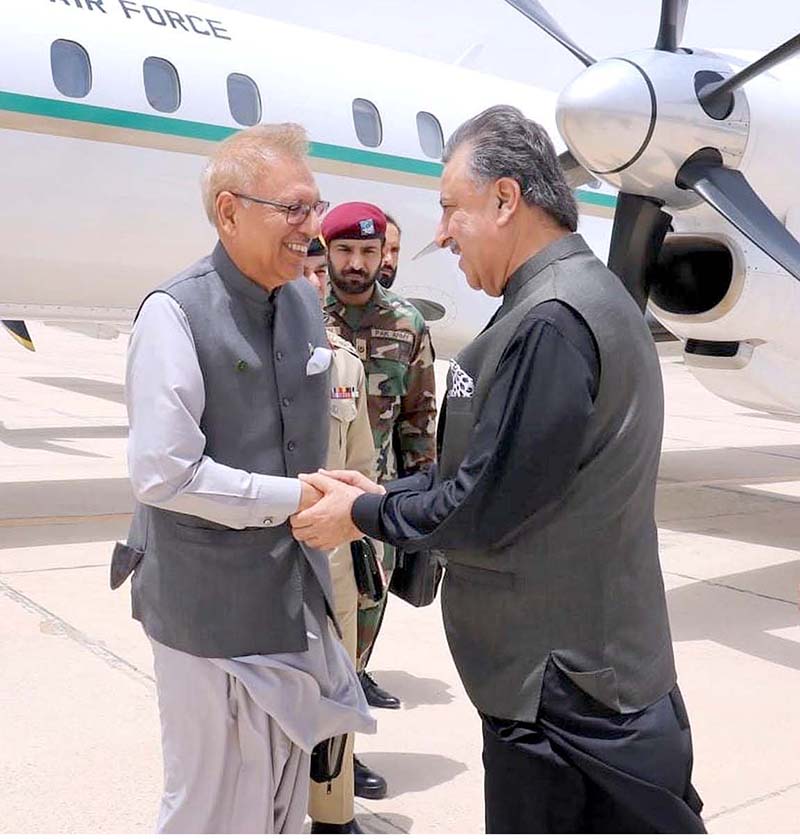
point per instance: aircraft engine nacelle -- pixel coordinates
(736, 313)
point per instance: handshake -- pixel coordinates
(324, 518)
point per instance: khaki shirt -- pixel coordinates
(350, 444)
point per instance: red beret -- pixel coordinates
(355, 220)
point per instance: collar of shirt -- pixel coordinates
(560, 249)
(236, 281)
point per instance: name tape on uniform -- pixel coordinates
(393, 334)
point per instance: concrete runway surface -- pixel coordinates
(79, 738)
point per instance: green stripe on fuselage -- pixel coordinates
(205, 132)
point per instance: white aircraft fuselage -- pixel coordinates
(101, 196)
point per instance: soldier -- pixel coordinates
(391, 253)
(393, 342)
(315, 268)
(350, 442)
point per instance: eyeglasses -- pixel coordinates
(296, 214)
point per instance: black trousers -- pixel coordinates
(581, 768)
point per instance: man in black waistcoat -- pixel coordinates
(542, 505)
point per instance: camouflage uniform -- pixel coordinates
(393, 342)
(349, 447)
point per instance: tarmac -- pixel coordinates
(79, 733)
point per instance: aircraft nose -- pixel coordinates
(606, 115)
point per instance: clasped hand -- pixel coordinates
(325, 517)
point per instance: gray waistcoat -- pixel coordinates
(578, 583)
(201, 587)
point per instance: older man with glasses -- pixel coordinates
(228, 399)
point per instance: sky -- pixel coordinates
(515, 48)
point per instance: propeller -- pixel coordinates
(717, 98)
(640, 226)
(431, 247)
(534, 11)
(730, 194)
(19, 332)
(575, 173)
(640, 223)
(670, 32)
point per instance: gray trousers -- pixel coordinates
(228, 767)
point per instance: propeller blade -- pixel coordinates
(730, 194)
(574, 172)
(534, 11)
(19, 332)
(670, 32)
(430, 248)
(636, 238)
(719, 92)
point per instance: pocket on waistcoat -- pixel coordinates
(219, 536)
(124, 560)
(481, 576)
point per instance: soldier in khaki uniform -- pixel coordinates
(393, 342)
(349, 447)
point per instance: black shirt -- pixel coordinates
(524, 450)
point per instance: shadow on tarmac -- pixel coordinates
(773, 417)
(97, 529)
(413, 691)
(78, 497)
(384, 823)
(751, 464)
(741, 611)
(112, 391)
(776, 525)
(48, 439)
(412, 772)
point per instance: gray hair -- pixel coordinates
(505, 144)
(238, 161)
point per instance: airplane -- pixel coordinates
(110, 106)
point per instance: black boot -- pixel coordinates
(377, 697)
(348, 827)
(368, 784)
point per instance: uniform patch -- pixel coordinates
(367, 227)
(393, 334)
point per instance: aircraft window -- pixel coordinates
(72, 70)
(430, 135)
(244, 99)
(162, 85)
(367, 122)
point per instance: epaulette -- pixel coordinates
(337, 342)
